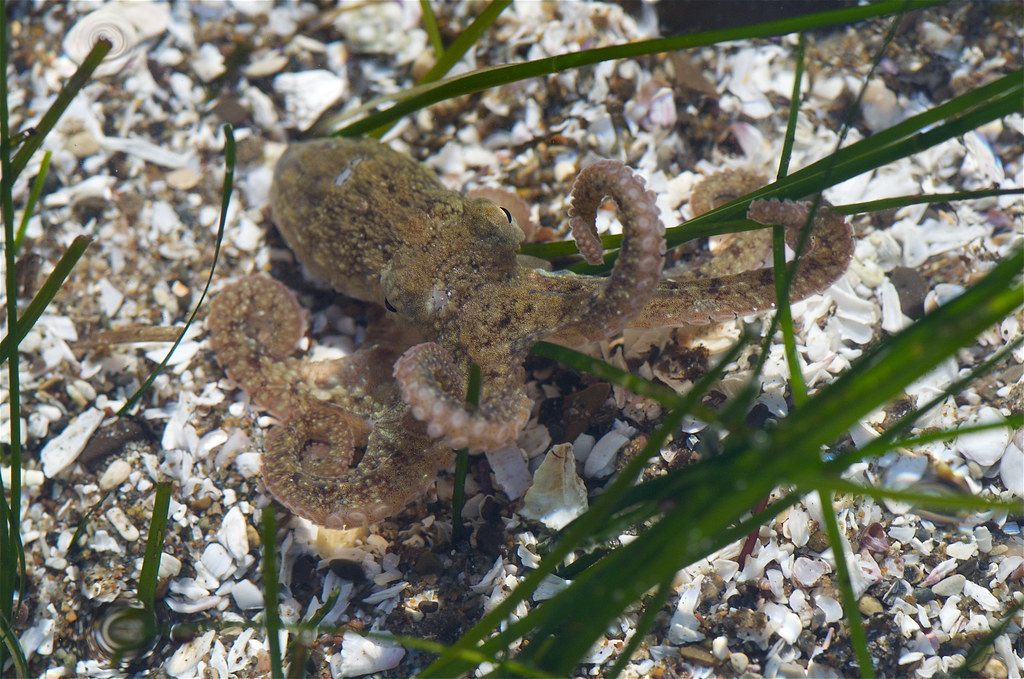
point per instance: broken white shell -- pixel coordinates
(359, 656)
(62, 450)
(557, 495)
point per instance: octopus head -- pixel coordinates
(428, 282)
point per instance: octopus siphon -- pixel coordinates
(363, 436)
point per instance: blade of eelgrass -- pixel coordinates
(462, 459)
(794, 106)
(981, 646)
(966, 112)
(271, 614)
(83, 524)
(566, 248)
(1014, 421)
(883, 371)
(605, 371)
(949, 501)
(501, 75)
(858, 637)
(148, 578)
(465, 41)
(889, 439)
(644, 501)
(643, 626)
(64, 98)
(897, 202)
(12, 551)
(225, 202)
(469, 655)
(430, 26)
(563, 628)
(9, 642)
(33, 198)
(786, 273)
(51, 286)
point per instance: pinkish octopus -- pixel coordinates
(363, 436)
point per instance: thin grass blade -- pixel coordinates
(272, 616)
(149, 576)
(33, 198)
(430, 26)
(9, 641)
(962, 114)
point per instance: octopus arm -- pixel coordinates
(306, 466)
(634, 278)
(698, 301)
(433, 384)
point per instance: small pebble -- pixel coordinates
(869, 605)
(217, 560)
(994, 669)
(233, 535)
(739, 662)
(119, 520)
(923, 595)
(115, 474)
(183, 179)
(184, 660)
(961, 550)
(359, 656)
(64, 449)
(170, 566)
(697, 655)
(82, 145)
(951, 586)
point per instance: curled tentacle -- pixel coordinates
(638, 268)
(307, 466)
(254, 324)
(432, 385)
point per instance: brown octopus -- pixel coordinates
(381, 228)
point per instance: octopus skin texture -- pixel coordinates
(363, 436)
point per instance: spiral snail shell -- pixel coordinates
(124, 25)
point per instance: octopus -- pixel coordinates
(361, 437)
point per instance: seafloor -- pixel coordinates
(138, 164)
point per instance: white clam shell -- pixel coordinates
(557, 495)
(984, 447)
(188, 655)
(360, 656)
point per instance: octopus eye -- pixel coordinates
(389, 306)
(508, 215)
